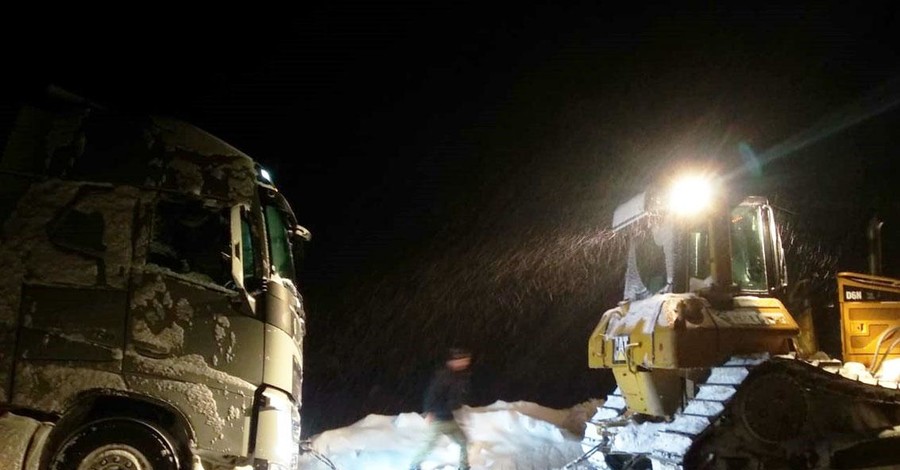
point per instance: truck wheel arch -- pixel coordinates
(98, 404)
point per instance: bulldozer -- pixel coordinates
(713, 370)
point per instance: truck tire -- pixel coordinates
(117, 444)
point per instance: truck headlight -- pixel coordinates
(277, 430)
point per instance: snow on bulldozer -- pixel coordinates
(709, 364)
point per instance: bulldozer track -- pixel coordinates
(798, 414)
(700, 412)
(756, 408)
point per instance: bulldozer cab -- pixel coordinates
(701, 285)
(730, 251)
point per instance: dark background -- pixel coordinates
(457, 163)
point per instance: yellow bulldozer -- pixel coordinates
(713, 371)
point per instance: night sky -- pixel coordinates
(457, 163)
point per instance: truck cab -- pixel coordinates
(149, 307)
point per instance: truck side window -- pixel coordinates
(279, 243)
(192, 240)
(248, 257)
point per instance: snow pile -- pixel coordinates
(888, 375)
(508, 436)
(889, 370)
(636, 438)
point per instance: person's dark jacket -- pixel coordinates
(447, 391)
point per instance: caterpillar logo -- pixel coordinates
(620, 344)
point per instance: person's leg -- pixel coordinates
(435, 431)
(456, 433)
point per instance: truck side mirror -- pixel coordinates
(237, 269)
(299, 231)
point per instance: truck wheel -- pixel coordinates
(116, 444)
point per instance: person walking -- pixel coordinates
(447, 391)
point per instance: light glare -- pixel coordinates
(690, 195)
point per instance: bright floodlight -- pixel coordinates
(690, 195)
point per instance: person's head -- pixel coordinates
(458, 359)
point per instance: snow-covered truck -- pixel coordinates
(149, 316)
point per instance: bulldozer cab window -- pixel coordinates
(647, 271)
(698, 259)
(748, 261)
(192, 240)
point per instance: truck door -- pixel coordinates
(193, 338)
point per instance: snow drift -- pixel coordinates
(502, 436)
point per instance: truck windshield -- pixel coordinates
(748, 260)
(277, 228)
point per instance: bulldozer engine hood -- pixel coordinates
(666, 330)
(659, 311)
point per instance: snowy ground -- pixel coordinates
(507, 436)
(502, 436)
